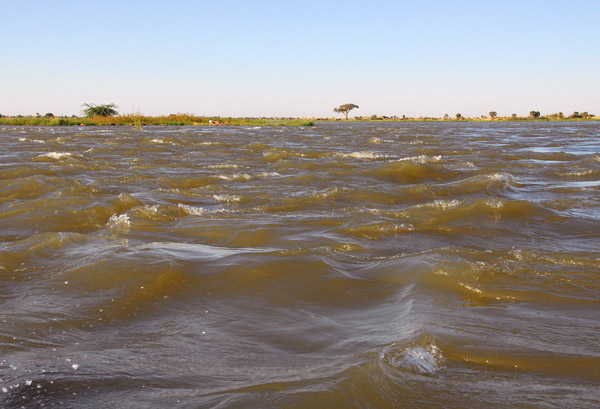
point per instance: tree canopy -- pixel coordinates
(345, 109)
(100, 110)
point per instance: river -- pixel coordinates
(345, 265)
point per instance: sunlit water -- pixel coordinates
(346, 265)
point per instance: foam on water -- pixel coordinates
(55, 155)
(269, 174)
(201, 211)
(119, 222)
(501, 177)
(442, 204)
(235, 177)
(365, 155)
(192, 210)
(426, 359)
(222, 166)
(31, 140)
(227, 198)
(578, 173)
(423, 159)
(419, 360)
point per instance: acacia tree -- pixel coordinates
(493, 114)
(534, 114)
(100, 110)
(345, 109)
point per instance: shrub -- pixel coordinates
(100, 110)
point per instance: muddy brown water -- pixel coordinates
(345, 265)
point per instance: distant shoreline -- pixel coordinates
(192, 120)
(139, 121)
(519, 119)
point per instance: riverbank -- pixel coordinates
(141, 120)
(462, 119)
(191, 120)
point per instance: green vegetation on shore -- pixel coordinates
(140, 120)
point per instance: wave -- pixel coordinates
(365, 155)
(31, 140)
(55, 155)
(235, 177)
(414, 170)
(227, 198)
(454, 217)
(515, 275)
(305, 201)
(424, 360)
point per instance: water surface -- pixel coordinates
(346, 265)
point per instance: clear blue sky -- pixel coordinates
(278, 58)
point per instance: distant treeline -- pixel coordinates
(142, 120)
(139, 120)
(533, 116)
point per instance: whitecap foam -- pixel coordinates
(227, 198)
(55, 155)
(403, 227)
(365, 155)
(269, 174)
(494, 204)
(423, 159)
(328, 193)
(119, 222)
(378, 140)
(151, 208)
(500, 177)
(420, 360)
(235, 176)
(222, 166)
(192, 210)
(200, 211)
(441, 204)
(577, 173)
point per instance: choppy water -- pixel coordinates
(386, 265)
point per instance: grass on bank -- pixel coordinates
(140, 120)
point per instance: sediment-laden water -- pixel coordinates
(346, 265)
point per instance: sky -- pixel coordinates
(300, 59)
